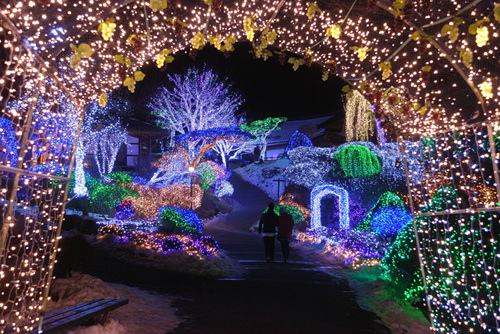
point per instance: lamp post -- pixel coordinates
(191, 170)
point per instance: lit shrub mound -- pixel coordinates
(212, 174)
(147, 205)
(401, 265)
(224, 189)
(179, 221)
(357, 161)
(124, 210)
(121, 177)
(103, 196)
(388, 222)
(298, 139)
(388, 210)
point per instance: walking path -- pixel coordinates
(296, 297)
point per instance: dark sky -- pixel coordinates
(268, 88)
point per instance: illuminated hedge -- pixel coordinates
(401, 265)
(388, 200)
(103, 197)
(121, 177)
(296, 140)
(124, 210)
(389, 221)
(357, 161)
(180, 221)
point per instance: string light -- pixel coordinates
(318, 193)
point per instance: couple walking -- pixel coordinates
(269, 223)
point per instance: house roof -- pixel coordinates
(142, 129)
(288, 128)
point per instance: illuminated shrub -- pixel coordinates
(171, 243)
(209, 242)
(207, 175)
(140, 180)
(357, 161)
(121, 177)
(401, 265)
(179, 221)
(124, 210)
(211, 173)
(147, 206)
(296, 140)
(103, 197)
(112, 229)
(389, 221)
(224, 189)
(388, 200)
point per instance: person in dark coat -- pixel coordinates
(285, 229)
(267, 227)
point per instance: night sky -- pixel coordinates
(268, 88)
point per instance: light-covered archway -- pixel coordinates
(321, 191)
(428, 63)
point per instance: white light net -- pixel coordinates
(456, 208)
(38, 125)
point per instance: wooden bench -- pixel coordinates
(80, 314)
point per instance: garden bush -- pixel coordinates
(357, 161)
(179, 221)
(103, 197)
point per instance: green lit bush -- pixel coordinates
(357, 161)
(103, 197)
(121, 177)
(207, 175)
(179, 221)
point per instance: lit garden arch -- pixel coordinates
(430, 62)
(328, 189)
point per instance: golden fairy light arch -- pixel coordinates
(438, 59)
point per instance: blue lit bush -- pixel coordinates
(140, 180)
(124, 210)
(179, 221)
(296, 140)
(171, 243)
(389, 221)
(386, 201)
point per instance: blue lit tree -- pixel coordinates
(199, 100)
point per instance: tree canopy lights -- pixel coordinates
(318, 193)
(357, 161)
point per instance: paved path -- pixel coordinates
(292, 298)
(296, 297)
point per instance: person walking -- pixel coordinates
(285, 228)
(267, 227)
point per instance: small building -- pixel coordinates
(319, 129)
(147, 142)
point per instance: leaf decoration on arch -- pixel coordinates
(79, 52)
(312, 10)
(157, 5)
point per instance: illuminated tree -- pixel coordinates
(199, 100)
(170, 165)
(262, 129)
(102, 134)
(211, 137)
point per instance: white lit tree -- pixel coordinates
(199, 100)
(102, 134)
